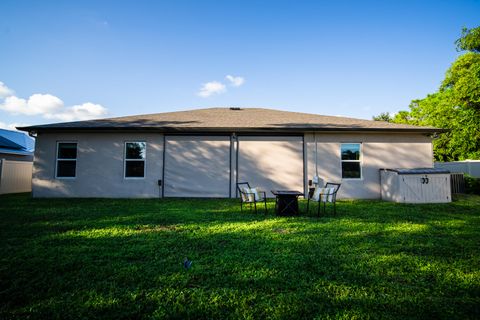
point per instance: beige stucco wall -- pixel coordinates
(271, 162)
(100, 163)
(197, 166)
(379, 150)
(100, 168)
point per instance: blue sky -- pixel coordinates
(71, 60)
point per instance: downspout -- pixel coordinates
(316, 179)
(316, 155)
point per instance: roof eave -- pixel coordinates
(16, 152)
(37, 129)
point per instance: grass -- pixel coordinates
(97, 258)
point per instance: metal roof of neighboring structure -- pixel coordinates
(16, 142)
(231, 119)
(16, 152)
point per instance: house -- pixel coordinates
(205, 152)
(16, 146)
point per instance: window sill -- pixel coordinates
(352, 179)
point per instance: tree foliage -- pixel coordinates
(463, 80)
(469, 41)
(455, 106)
(384, 116)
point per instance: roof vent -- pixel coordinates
(235, 108)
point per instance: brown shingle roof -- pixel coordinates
(226, 119)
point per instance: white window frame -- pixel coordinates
(360, 161)
(61, 159)
(125, 161)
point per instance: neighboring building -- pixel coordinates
(16, 146)
(16, 156)
(203, 153)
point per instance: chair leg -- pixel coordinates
(265, 201)
(255, 204)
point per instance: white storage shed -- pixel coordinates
(419, 185)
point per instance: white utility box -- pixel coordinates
(419, 185)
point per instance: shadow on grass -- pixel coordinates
(123, 259)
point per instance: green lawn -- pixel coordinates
(123, 259)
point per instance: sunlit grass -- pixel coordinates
(100, 258)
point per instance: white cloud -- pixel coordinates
(50, 107)
(210, 88)
(14, 105)
(43, 104)
(5, 91)
(80, 112)
(36, 104)
(235, 81)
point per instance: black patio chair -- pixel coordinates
(246, 196)
(325, 197)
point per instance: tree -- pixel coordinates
(469, 41)
(455, 107)
(384, 116)
(463, 80)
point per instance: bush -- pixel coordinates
(472, 184)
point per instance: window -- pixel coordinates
(135, 153)
(66, 159)
(351, 163)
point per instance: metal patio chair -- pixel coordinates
(247, 196)
(325, 194)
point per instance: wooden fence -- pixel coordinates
(457, 183)
(15, 176)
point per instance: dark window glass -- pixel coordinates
(135, 150)
(134, 169)
(67, 150)
(66, 168)
(351, 170)
(350, 151)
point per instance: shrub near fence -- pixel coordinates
(472, 184)
(15, 176)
